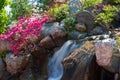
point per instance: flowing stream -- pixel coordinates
(55, 68)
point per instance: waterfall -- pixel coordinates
(55, 68)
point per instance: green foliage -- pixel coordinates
(118, 40)
(21, 8)
(108, 14)
(59, 12)
(117, 1)
(3, 54)
(89, 3)
(45, 2)
(4, 18)
(4, 3)
(113, 2)
(69, 24)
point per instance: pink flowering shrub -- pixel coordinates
(20, 33)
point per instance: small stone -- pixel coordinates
(80, 27)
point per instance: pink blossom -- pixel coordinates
(18, 34)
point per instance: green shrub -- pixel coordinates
(113, 2)
(118, 40)
(4, 18)
(3, 54)
(20, 8)
(89, 3)
(107, 15)
(69, 24)
(117, 1)
(59, 12)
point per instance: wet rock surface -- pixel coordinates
(55, 35)
(76, 35)
(2, 67)
(77, 61)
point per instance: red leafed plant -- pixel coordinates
(20, 33)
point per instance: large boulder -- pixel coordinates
(16, 64)
(108, 55)
(51, 28)
(59, 37)
(54, 35)
(47, 42)
(87, 19)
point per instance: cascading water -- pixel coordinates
(55, 68)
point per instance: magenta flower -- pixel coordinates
(25, 27)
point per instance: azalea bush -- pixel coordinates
(23, 31)
(59, 11)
